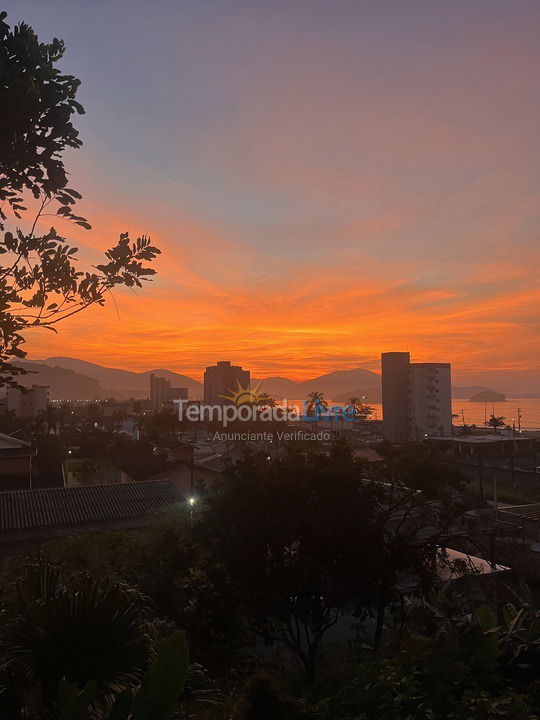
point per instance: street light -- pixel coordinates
(192, 500)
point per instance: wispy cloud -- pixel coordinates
(324, 185)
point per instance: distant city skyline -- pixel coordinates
(516, 382)
(327, 181)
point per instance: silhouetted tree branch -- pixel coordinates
(41, 283)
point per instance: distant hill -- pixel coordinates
(365, 395)
(340, 381)
(488, 396)
(195, 388)
(64, 384)
(464, 393)
(124, 383)
(514, 383)
(278, 387)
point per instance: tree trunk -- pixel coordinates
(381, 610)
(310, 662)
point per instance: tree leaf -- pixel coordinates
(165, 679)
(73, 704)
(122, 707)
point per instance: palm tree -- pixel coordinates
(85, 630)
(316, 405)
(354, 405)
(496, 422)
(366, 411)
(359, 409)
(265, 400)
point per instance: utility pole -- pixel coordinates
(480, 476)
(495, 501)
(512, 453)
(493, 536)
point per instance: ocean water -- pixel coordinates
(476, 413)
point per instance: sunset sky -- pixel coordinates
(326, 180)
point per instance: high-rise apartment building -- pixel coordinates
(417, 398)
(159, 388)
(162, 394)
(223, 379)
(395, 397)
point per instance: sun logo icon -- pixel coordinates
(243, 395)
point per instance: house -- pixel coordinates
(497, 451)
(526, 517)
(489, 459)
(15, 463)
(28, 518)
(452, 565)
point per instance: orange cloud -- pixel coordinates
(302, 325)
(349, 199)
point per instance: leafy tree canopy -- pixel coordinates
(41, 282)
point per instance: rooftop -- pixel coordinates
(55, 507)
(530, 511)
(8, 442)
(453, 565)
(479, 439)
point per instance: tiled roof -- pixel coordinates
(428, 532)
(53, 507)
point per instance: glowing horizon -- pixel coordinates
(326, 182)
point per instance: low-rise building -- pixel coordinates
(493, 450)
(27, 403)
(15, 463)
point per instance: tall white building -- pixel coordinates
(417, 398)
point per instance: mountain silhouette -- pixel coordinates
(64, 384)
(123, 383)
(71, 378)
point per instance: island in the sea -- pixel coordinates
(488, 396)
